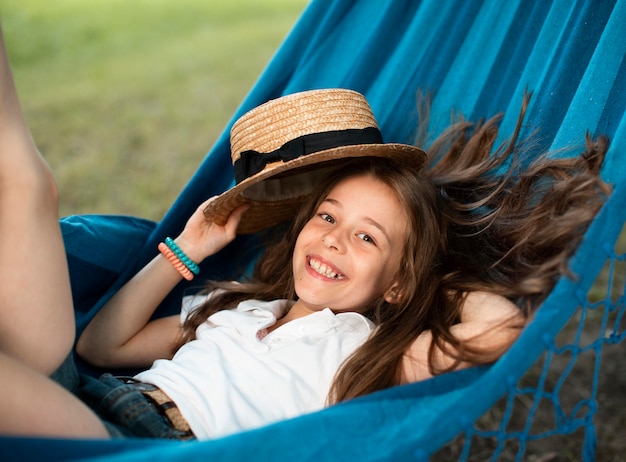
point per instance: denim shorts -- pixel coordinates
(123, 409)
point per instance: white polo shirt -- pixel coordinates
(231, 378)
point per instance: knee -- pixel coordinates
(33, 186)
(47, 187)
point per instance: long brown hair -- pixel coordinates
(512, 228)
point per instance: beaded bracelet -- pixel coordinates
(175, 261)
(181, 255)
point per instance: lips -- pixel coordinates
(325, 269)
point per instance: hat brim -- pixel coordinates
(264, 213)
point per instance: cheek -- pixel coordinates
(299, 245)
(307, 236)
(299, 252)
(391, 270)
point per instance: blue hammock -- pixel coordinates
(477, 57)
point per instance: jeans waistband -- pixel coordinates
(163, 403)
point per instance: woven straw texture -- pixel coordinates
(273, 124)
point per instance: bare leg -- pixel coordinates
(34, 405)
(36, 312)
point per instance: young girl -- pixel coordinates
(379, 243)
(272, 357)
(256, 361)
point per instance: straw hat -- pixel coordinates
(282, 148)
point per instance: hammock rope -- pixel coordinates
(558, 395)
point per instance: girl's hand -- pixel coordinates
(201, 238)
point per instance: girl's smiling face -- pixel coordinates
(349, 253)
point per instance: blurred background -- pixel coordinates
(125, 98)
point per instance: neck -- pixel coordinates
(298, 310)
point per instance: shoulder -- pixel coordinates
(482, 306)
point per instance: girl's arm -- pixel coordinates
(121, 334)
(489, 322)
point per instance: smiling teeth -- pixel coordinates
(325, 270)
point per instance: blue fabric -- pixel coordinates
(477, 57)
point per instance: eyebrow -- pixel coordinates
(369, 220)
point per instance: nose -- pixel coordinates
(333, 240)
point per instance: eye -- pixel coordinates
(326, 217)
(367, 238)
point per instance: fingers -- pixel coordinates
(208, 234)
(206, 203)
(235, 218)
(215, 237)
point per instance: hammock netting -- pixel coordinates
(478, 58)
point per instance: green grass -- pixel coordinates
(125, 98)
